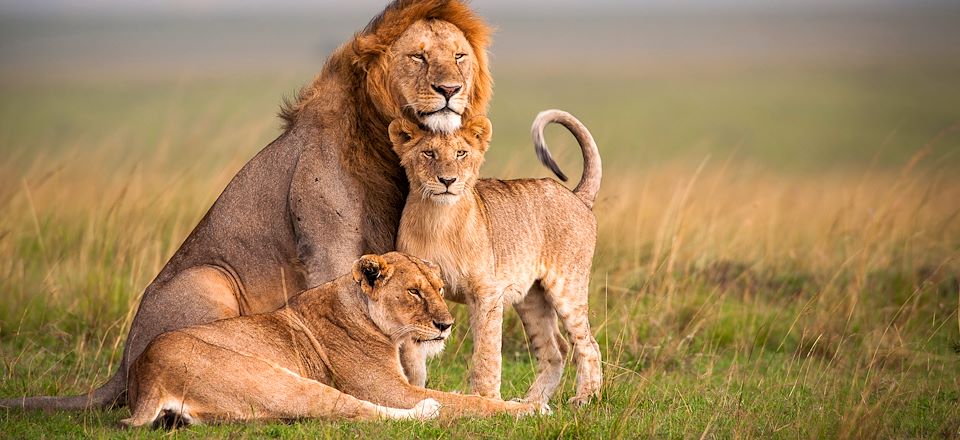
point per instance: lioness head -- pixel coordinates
(441, 166)
(405, 297)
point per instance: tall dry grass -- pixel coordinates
(727, 297)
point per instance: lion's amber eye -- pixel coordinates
(419, 57)
(460, 56)
(415, 293)
(461, 154)
(429, 154)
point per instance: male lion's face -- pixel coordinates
(405, 298)
(442, 167)
(432, 67)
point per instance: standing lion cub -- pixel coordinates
(331, 353)
(526, 242)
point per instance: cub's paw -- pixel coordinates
(580, 401)
(426, 409)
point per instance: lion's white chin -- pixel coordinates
(445, 199)
(443, 122)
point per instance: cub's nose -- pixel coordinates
(445, 90)
(442, 325)
(447, 181)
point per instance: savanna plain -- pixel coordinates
(777, 257)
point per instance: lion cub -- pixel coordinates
(526, 242)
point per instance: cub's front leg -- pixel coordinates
(414, 363)
(486, 322)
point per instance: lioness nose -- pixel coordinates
(442, 325)
(447, 181)
(446, 91)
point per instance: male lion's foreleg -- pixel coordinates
(540, 323)
(486, 321)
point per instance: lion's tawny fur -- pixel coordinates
(331, 353)
(527, 242)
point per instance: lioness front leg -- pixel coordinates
(396, 392)
(486, 321)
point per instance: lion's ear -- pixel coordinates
(481, 129)
(402, 132)
(367, 48)
(371, 272)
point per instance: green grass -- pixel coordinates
(778, 252)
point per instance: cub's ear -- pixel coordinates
(370, 272)
(481, 129)
(402, 133)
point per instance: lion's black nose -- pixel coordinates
(447, 181)
(446, 91)
(442, 325)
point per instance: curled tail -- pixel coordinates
(108, 395)
(590, 182)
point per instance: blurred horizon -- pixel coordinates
(111, 38)
(796, 85)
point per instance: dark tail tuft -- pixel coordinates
(589, 184)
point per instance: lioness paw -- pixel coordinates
(426, 409)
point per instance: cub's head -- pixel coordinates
(405, 297)
(441, 166)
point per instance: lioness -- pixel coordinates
(327, 190)
(524, 242)
(284, 364)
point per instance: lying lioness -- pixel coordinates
(331, 353)
(526, 242)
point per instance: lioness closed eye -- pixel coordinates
(525, 242)
(284, 364)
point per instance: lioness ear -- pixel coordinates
(371, 271)
(481, 129)
(402, 132)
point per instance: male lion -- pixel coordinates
(327, 190)
(526, 242)
(284, 364)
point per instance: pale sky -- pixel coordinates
(190, 7)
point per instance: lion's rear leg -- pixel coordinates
(569, 298)
(197, 295)
(540, 324)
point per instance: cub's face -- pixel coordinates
(432, 69)
(405, 297)
(441, 167)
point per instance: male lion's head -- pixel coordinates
(405, 297)
(441, 166)
(426, 61)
